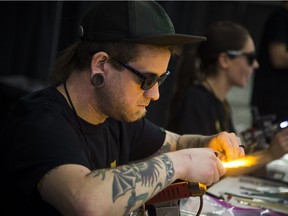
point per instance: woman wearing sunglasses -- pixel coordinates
(205, 77)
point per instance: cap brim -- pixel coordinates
(175, 39)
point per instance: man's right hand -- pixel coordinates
(199, 165)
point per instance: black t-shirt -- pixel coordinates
(200, 112)
(43, 133)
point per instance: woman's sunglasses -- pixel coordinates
(251, 57)
(148, 79)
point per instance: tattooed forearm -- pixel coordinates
(179, 145)
(126, 177)
(190, 141)
(98, 173)
(165, 148)
(145, 174)
(170, 142)
(169, 168)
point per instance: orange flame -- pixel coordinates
(243, 162)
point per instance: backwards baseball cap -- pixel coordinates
(131, 21)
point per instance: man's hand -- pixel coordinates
(227, 146)
(197, 165)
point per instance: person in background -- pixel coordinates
(206, 75)
(83, 146)
(270, 87)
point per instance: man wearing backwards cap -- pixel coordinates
(83, 146)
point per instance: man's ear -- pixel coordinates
(98, 60)
(97, 79)
(97, 76)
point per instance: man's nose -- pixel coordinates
(153, 93)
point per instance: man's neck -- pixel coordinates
(81, 100)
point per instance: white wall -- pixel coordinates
(239, 99)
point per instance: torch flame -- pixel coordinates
(243, 162)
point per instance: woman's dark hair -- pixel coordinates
(197, 63)
(77, 57)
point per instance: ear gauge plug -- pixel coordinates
(97, 80)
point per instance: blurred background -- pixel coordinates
(33, 33)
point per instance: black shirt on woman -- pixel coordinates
(198, 111)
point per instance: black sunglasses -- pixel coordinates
(148, 79)
(251, 57)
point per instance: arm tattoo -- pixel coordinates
(196, 144)
(179, 145)
(165, 148)
(169, 168)
(99, 172)
(146, 173)
(193, 142)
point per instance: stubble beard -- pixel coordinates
(111, 105)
